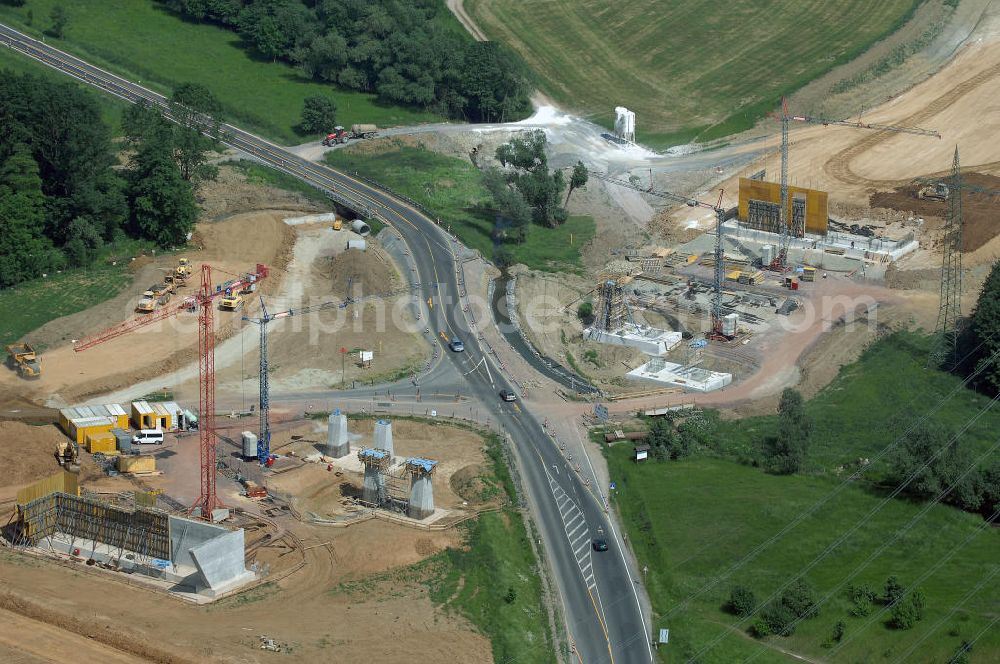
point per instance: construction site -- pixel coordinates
(722, 291)
(142, 477)
(183, 448)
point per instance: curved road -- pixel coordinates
(598, 590)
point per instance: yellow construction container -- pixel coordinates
(103, 442)
(156, 415)
(79, 428)
(79, 421)
(137, 464)
(809, 274)
(692, 258)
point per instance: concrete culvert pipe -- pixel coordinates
(360, 227)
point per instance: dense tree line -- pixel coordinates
(400, 50)
(932, 462)
(59, 196)
(979, 342)
(62, 197)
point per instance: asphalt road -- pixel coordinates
(599, 590)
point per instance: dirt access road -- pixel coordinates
(50, 643)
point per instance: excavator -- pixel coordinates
(934, 192)
(68, 455)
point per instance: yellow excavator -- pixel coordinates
(934, 192)
(68, 455)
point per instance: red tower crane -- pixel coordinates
(207, 500)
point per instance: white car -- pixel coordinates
(148, 437)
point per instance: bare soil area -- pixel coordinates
(310, 612)
(309, 266)
(231, 247)
(350, 590)
(29, 452)
(314, 488)
(979, 208)
(304, 351)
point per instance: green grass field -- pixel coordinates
(452, 190)
(691, 521)
(30, 305)
(257, 173)
(144, 42)
(691, 70)
(888, 385)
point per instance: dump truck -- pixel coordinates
(161, 290)
(147, 303)
(23, 359)
(364, 131)
(338, 135)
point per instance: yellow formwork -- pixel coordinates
(62, 482)
(817, 213)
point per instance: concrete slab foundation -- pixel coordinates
(650, 340)
(690, 378)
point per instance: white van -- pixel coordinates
(148, 437)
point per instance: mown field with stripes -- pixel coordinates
(690, 69)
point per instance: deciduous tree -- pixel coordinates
(577, 179)
(319, 114)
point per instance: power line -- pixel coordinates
(802, 516)
(844, 536)
(939, 563)
(886, 544)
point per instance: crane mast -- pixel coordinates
(208, 499)
(780, 263)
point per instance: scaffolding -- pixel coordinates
(383, 488)
(611, 312)
(143, 532)
(766, 216)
